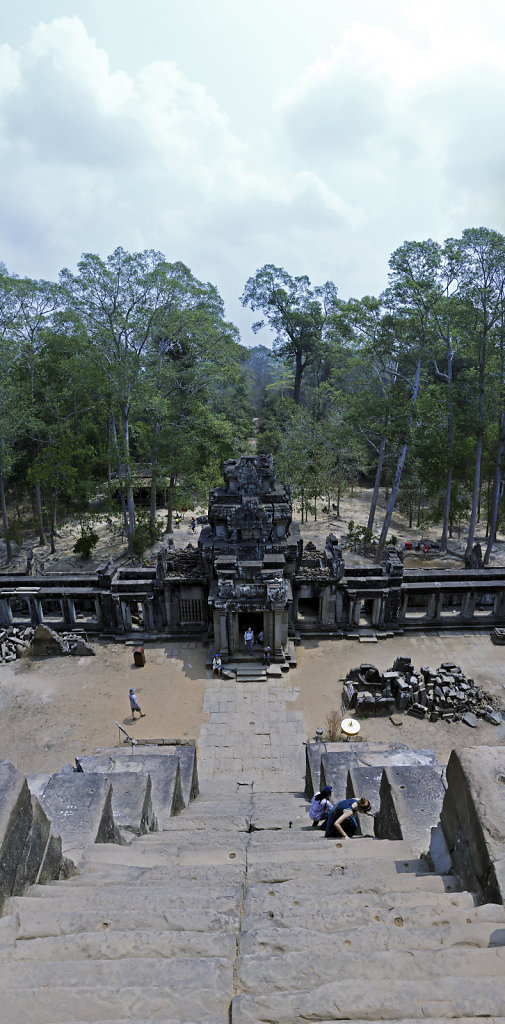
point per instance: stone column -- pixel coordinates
(147, 614)
(499, 606)
(223, 634)
(5, 612)
(327, 606)
(339, 607)
(468, 605)
(68, 611)
(126, 616)
(439, 597)
(277, 633)
(234, 638)
(356, 611)
(381, 609)
(36, 611)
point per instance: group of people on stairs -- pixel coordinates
(339, 819)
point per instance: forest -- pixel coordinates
(124, 388)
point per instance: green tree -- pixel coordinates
(296, 312)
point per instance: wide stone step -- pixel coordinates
(313, 844)
(179, 889)
(174, 853)
(334, 920)
(425, 886)
(120, 874)
(266, 973)
(393, 999)
(146, 972)
(469, 933)
(184, 1001)
(35, 923)
(263, 903)
(110, 901)
(305, 869)
(115, 945)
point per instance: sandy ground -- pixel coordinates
(57, 708)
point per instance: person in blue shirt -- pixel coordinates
(341, 821)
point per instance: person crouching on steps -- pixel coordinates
(341, 821)
(320, 807)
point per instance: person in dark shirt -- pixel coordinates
(341, 821)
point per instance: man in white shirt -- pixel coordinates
(248, 640)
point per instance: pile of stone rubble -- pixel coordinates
(445, 693)
(18, 642)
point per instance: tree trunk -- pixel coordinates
(154, 476)
(297, 388)
(40, 517)
(497, 487)
(130, 503)
(475, 501)
(52, 531)
(399, 468)
(478, 452)
(170, 502)
(8, 545)
(378, 474)
(119, 475)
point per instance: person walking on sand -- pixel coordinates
(341, 822)
(134, 705)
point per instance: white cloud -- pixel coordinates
(390, 131)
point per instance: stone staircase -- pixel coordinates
(240, 911)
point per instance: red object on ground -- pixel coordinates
(408, 545)
(139, 657)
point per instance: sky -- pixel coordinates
(314, 136)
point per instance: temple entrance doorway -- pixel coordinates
(255, 621)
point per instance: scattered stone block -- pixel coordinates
(493, 718)
(470, 719)
(81, 649)
(46, 641)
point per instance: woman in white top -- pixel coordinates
(320, 807)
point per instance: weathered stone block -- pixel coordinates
(79, 806)
(16, 815)
(410, 804)
(473, 819)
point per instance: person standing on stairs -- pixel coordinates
(341, 821)
(320, 807)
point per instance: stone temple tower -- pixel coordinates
(251, 551)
